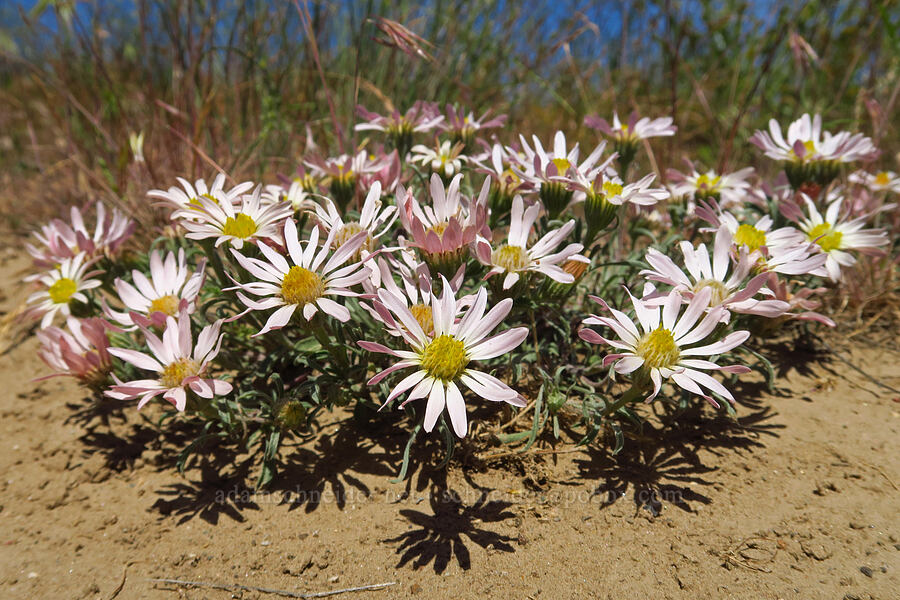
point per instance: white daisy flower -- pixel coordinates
(883, 181)
(444, 359)
(415, 290)
(60, 240)
(727, 281)
(635, 129)
(547, 171)
(666, 344)
(62, 286)
(375, 219)
(607, 184)
(445, 160)
(515, 258)
(806, 141)
(249, 221)
(727, 188)
(834, 235)
(178, 364)
(187, 196)
(170, 290)
(305, 285)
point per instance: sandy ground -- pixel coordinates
(797, 498)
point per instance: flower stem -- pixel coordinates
(216, 261)
(635, 392)
(324, 336)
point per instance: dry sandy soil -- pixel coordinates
(797, 498)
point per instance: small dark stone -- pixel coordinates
(866, 571)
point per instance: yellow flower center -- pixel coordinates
(174, 373)
(307, 182)
(750, 236)
(301, 286)
(882, 178)
(718, 289)
(611, 188)
(509, 177)
(826, 237)
(511, 258)
(240, 226)
(707, 182)
(166, 304)
(445, 358)
(62, 290)
(562, 165)
(347, 231)
(195, 201)
(658, 349)
(438, 229)
(423, 316)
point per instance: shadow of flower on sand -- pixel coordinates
(442, 534)
(662, 463)
(210, 497)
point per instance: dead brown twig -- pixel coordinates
(235, 587)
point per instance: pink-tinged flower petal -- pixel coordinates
(627, 324)
(266, 304)
(483, 251)
(498, 344)
(488, 322)
(473, 314)
(375, 347)
(292, 242)
(443, 309)
(690, 385)
(184, 336)
(147, 397)
(656, 378)
(648, 317)
(628, 365)
(200, 386)
(488, 386)
(665, 267)
(334, 309)
(257, 268)
(178, 397)
(403, 364)
(435, 405)
(309, 310)
(671, 308)
(729, 342)
(398, 307)
(709, 383)
(420, 391)
(310, 251)
(698, 304)
(138, 359)
(411, 380)
(130, 296)
(278, 319)
(706, 326)
(347, 249)
(591, 336)
(277, 260)
(457, 409)
(737, 369)
(206, 340)
(220, 388)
